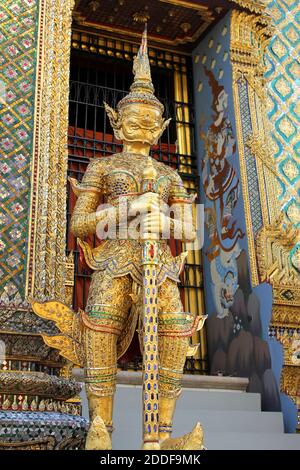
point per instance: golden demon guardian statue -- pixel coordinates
(135, 277)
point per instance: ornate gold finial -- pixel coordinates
(142, 89)
(141, 67)
(141, 17)
(141, 93)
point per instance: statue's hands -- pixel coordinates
(148, 202)
(151, 212)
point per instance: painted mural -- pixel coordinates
(237, 326)
(221, 188)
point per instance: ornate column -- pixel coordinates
(266, 117)
(46, 263)
(282, 237)
(34, 75)
(249, 244)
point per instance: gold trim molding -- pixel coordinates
(186, 4)
(249, 38)
(274, 243)
(46, 269)
(270, 252)
(285, 315)
(255, 6)
(131, 34)
(290, 379)
(287, 332)
(69, 281)
(260, 149)
(202, 10)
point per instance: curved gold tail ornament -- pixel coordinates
(98, 437)
(190, 441)
(69, 323)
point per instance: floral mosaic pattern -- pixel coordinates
(283, 74)
(18, 31)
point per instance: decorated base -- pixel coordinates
(41, 431)
(40, 412)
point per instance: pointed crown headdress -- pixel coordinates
(142, 89)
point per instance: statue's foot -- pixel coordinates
(191, 441)
(98, 437)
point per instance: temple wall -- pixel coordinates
(232, 130)
(19, 22)
(34, 74)
(35, 44)
(282, 74)
(35, 411)
(251, 251)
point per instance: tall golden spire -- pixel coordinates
(141, 68)
(142, 89)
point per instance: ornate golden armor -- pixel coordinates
(116, 178)
(97, 337)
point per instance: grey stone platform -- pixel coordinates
(231, 418)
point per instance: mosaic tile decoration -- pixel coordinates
(23, 426)
(283, 74)
(18, 36)
(251, 167)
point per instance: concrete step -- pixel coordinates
(192, 399)
(231, 419)
(227, 415)
(251, 441)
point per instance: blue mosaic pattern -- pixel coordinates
(23, 426)
(283, 74)
(253, 188)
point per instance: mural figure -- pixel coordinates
(224, 275)
(235, 332)
(235, 342)
(221, 187)
(220, 182)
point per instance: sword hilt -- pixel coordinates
(149, 181)
(149, 185)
